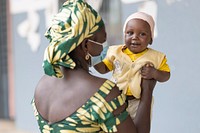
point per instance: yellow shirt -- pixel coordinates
(126, 66)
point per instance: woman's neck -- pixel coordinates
(75, 71)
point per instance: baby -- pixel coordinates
(133, 60)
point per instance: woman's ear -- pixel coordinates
(84, 45)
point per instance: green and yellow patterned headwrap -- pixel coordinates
(75, 21)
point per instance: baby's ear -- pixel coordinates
(151, 41)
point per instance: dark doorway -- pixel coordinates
(3, 61)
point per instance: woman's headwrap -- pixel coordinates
(75, 21)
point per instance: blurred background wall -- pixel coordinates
(22, 43)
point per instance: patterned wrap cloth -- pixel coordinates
(75, 21)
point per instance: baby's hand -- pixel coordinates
(148, 71)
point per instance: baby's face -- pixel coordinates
(137, 35)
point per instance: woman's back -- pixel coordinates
(78, 105)
(68, 93)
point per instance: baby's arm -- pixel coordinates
(101, 68)
(149, 72)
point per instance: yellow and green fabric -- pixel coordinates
(95, 116)
(75, 21)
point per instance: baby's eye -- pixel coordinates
(143, 34)
(129, 33)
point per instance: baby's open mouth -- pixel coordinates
(135, 43)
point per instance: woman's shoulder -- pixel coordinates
(45, 82)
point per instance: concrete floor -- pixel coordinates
(8, 126)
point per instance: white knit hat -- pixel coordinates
(144, 16)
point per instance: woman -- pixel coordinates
(68, 98)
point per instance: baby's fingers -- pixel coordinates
(149, 64)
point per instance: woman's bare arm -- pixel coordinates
(142, 120)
